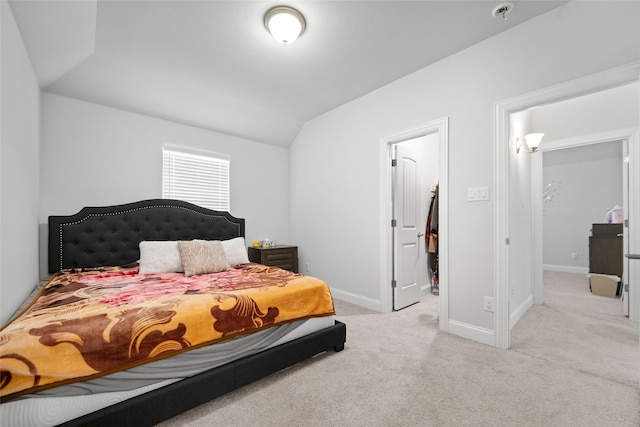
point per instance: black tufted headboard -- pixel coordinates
(110, 235)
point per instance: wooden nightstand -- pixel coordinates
(283, 256)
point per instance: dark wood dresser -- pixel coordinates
(605, 249)
(283, 256)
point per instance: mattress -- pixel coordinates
(55, 406)
(106, 320)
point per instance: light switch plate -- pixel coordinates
(477, 194)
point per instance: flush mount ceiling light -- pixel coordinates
(284, 23)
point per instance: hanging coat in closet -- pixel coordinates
(431, 241)
(431, 233)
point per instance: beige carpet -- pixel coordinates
(574, 362)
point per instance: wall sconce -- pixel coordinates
(284, 23)
(532, 141)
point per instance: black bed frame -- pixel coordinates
(101, 236)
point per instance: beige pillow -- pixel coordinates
(202, 257)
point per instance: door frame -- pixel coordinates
(441, 127)
(502, 110)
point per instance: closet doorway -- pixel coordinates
(430, 141)
(414, 175)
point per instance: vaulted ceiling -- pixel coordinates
(212, 64)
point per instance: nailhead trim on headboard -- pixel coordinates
(110, 235)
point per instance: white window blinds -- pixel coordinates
(197, 178)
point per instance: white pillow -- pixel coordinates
(160, 257)
(235, 251)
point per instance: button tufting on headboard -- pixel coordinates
(110, 235)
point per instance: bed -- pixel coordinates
(99, 251)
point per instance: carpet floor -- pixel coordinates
(574, 361)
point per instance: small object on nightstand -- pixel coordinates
(283, 256)
(266, 243)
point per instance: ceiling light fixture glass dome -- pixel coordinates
(285, 24)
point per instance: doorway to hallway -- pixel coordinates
(505, 153)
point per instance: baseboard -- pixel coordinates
(472, 332)
(461, 329)
(520, 310)
(565, 268)
(370, 303)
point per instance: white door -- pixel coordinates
(408, 233)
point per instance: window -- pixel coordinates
(199, 178)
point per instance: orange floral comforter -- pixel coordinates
(89, 324)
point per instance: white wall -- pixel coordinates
(591, 178)
(613, 109)
(94, 155)
(337, 172)
(19, 169)
(520, 218)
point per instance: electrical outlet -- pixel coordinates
(488, 304)
(307, 267)
(574, 256)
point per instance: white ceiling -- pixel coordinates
(213, 64)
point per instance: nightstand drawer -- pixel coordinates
(283, 256)
(276, 255)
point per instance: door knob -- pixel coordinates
(420, 234)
